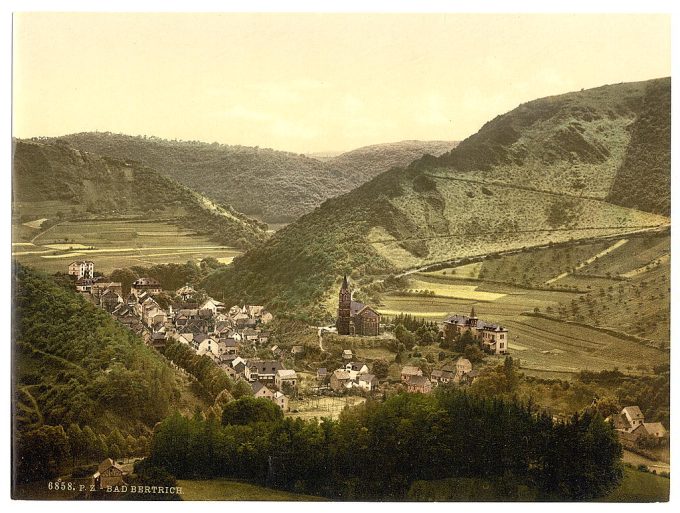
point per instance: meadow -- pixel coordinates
(231, 490)
(114, 244)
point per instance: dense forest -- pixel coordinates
(82, 383)
(92, 185)
(377, 450)
(275, 186)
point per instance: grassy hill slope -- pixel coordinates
(275, 186)
(535, 175)
(57, 181)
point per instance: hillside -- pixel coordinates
(275, 186)
(538, 174)
(54, 181)
(81, 381)
(369, 161)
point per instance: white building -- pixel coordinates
(81, 269)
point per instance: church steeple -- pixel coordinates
(472, 313)
(344, 308)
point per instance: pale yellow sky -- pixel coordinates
(313, 82)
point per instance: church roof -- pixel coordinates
(345, 284)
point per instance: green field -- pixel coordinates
(230, 490)
(640, 487)
(113, 244)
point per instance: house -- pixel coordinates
(148, 285)
(655, 429)
(285, 377)
(209, 347)
(158, 339)
(355, 318)
(340, 380)
(250, 335)
(493, 337)
(266, 317)
(442, 376)
(254, 310)
(463, 367)
(109, 300)
(262, 370)
(469, 378)
(230, 345)
(185, 292)
(239, 365)
(631, 425)
(101, 287)
(634, 416)
(347, 354)
(263, 337)
(321, 375)
(81, 269)
(261, 391)
(84, 285)
(367, 382)
(419, 384)
(297, 350)
(108, 474)
(409, 372)
(358, 368)
(212, 305)
(281, 401)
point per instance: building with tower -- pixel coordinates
(493, 337)
(355, 318)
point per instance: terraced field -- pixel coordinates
(545, 347)
(115, 244)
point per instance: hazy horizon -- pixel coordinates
(313, 83)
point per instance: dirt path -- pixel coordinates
(636, 459)
(611, 248)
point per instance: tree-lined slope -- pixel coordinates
(535, 175)
(275, 186)
(84, 184)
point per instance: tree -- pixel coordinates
(474, 354)
(77, 442)
(41, 453)
(248, 410)
(380, 369)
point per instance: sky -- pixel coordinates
(313, 82)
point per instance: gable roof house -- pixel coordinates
(108, 473)
(261, 391)
(340, 380)
(262, 370)
(419, 385)
(367, 382)
(281, 401)
(409, 372)
(285, 377)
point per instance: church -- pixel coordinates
(355, 318)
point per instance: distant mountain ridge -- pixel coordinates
(102, 185)
(272, 185)
(538, 174)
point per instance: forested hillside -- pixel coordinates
(275, 186)
(81, 382)
(82, 185)
(538, 174)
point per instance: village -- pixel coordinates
(237, 339)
